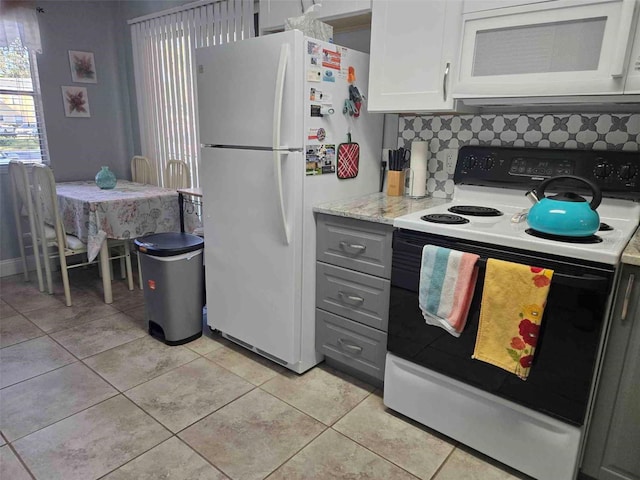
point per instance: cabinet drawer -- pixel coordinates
(358, 296)
(355, 244)
(358, 346)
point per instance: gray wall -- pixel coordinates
(78, 147)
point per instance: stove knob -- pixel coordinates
(487, 162)
(628, 171)
(469, 162)
(603, 170)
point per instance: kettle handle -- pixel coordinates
(595, 190)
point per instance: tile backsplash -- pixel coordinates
(576, 131)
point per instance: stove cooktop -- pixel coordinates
(622, 216)
(497, 178)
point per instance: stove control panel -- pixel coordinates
(616, 173)
(534, 167)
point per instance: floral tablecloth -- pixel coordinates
(129, 210)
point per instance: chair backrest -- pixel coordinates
(177, 174)
(20, 186)
(46, 200)
(141, 170)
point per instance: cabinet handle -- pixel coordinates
(445, 80)
(354, 246)
(353, 298)
(349, 346)
(622, 42)
(627, 297)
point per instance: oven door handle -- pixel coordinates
(583, 282)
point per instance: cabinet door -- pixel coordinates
(614, 434)
(632, 86)
(563, 47)
(414, 48)
(273, 13)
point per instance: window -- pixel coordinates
(163, 57)
(22, 134)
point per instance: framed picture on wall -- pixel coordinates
(83, 67)
(76, 102)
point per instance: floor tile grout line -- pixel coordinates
(201, 456)
(439, 469)
(68, 416)
(83, 322)
(377, 454)
(211, 413)
(351, 409)
(23, 341)
(40, 374)
(137, 384)
(22, 462)
(298, 451)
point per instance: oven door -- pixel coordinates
(560, 378)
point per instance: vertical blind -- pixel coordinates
(164, 67)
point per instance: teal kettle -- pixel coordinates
(565, 214)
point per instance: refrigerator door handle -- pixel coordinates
(277, 122)
(278, 96)
(277, 158)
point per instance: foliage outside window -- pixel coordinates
(22, 134)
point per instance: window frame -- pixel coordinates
(36, 94)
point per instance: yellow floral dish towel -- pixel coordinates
(513, 301)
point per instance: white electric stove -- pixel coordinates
(431, 376)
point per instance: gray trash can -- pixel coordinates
(173, 279)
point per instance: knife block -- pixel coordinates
(395, 183)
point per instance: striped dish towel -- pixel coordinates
(447, 281)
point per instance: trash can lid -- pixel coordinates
(168, 244)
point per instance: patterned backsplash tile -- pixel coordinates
(575, 131)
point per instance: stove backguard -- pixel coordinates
(563, 368)
(617, 173)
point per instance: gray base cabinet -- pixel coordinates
(353, 272)
(613, 441)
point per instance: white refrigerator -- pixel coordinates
(268, 155)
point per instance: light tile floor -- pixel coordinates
(87, 394)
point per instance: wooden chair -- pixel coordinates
(141, 170)
(23, 205)
(177, 175)
(48, 215)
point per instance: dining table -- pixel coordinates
(125, 212)
(194, 194)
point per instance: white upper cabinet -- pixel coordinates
(632, 85)
(273, 13)
(553, 48)
(414, 47)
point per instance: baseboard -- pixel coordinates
(13, 266)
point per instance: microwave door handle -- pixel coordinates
(445, 81)
(277, 123)
(622, 38)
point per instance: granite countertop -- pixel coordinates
(631, 254)
(377, 207)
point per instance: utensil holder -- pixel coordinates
(395, 183)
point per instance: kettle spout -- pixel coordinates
(533, 196)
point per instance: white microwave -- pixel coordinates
(545, 49)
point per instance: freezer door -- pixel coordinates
(243, 85)
(253, 274)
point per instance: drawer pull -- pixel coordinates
(349, 346)
(354, 246)
(352, 298)
(627, 297)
